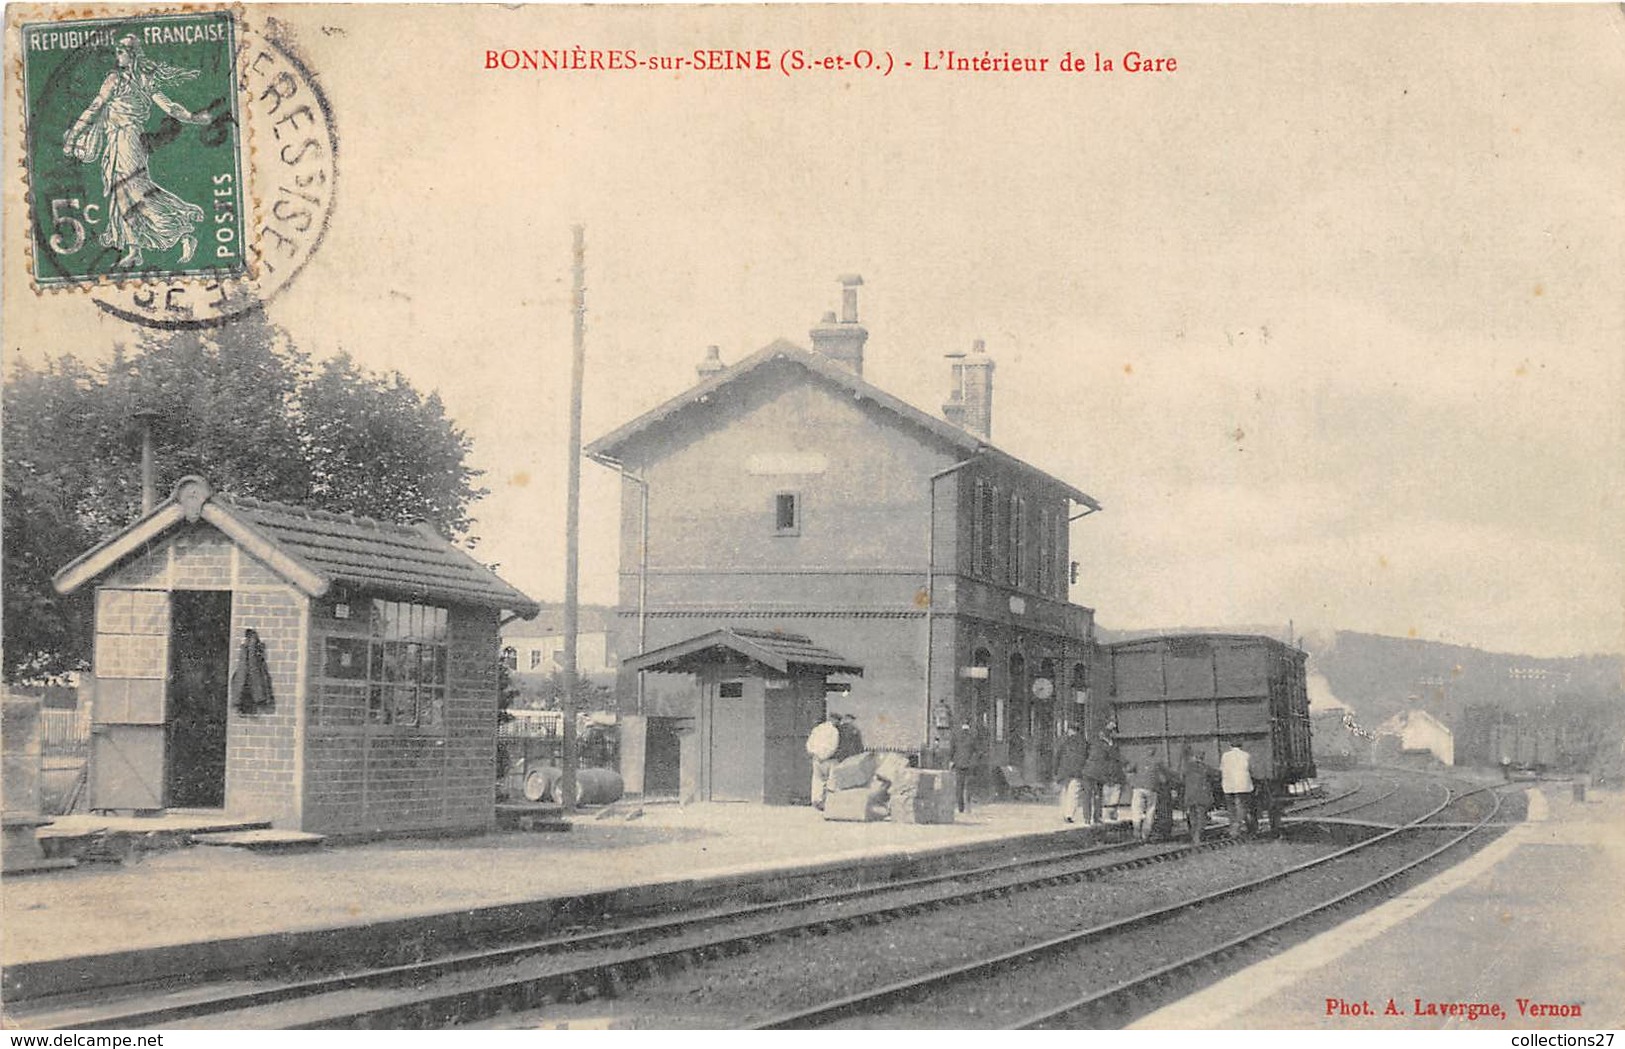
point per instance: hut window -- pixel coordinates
(406, 673)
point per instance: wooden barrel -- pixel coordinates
(541, 783)
(598, 786)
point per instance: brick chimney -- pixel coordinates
(843, 339)
(712, 363)
(970, 395)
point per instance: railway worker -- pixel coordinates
(850, 743)
(1069, 763)
(1236, 776)
(963, 753)
(1101, 767)
(822, 743)
(1143, 783)
(1162, 818)
(1198, 795)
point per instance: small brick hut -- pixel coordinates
(369, 704)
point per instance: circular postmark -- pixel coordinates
(293, 171)
(182, 165)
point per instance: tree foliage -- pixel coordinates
(239, 405)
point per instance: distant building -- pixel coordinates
(1418, 731)
(787, 493)
(535, 647)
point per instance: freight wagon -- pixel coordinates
(1193, 693)
(1526, 744)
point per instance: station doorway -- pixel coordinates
(199, 678)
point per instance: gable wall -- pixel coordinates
(262, 755)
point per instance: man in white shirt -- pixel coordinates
(1235, 772)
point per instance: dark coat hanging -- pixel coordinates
(251, 680)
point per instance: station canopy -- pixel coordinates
(779, 652)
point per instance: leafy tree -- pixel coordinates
(239, 405)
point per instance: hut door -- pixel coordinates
(737, 741)
(199, 672)
(127, 735)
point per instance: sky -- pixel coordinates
(1330, 319)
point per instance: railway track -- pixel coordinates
(581, 965)
(1012, 976)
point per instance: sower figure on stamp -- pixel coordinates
(140, 213)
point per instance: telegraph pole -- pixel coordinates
(572, 519)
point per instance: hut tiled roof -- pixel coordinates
(314, 550)
(364, 552)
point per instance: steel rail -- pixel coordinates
(1335, 798)
(878, 998)
(1075, 865)
(1118, 998)
(1379, 799)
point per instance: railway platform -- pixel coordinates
(197, 910)
(1532, 918)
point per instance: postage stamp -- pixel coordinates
(135, 148)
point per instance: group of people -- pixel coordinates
(831, 742)
(1089, 769)
(1090, 772)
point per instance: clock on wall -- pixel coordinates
(1043, 688)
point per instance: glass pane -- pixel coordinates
(432, 709)
(409, 661)
(440, 619)
(376, 669)
(406, 705)
(379, 709)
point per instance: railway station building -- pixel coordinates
(787, 493)
(329, 673)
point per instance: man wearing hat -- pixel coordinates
(851, 740)
(822, 743)
(1101, 767)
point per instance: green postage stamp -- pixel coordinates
(134, 154)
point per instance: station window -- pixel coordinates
(535, 658)
(787, 513)
(406, 668)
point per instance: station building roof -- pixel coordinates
(609, 448)
(772, 649)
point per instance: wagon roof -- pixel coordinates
(313, 550)
(608, 448)
(773, 649)
(1197, 636)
